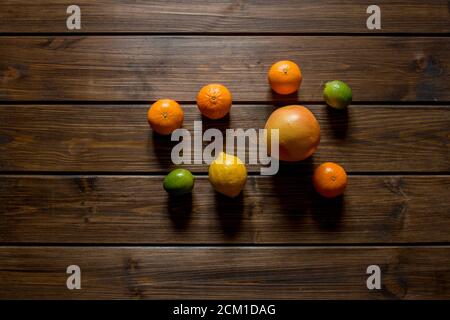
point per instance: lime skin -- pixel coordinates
(337, 94)
(179, 181)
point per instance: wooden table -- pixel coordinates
(81, 171)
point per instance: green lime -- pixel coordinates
(179, 181)
(337, 94)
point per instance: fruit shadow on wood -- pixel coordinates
(221, 124)
(160, 147)
(230, 213)
(180, 210)
(327, 213)
(293, 188)
(338, 121)
(281, 100)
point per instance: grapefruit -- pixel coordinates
(299, 132)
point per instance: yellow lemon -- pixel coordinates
(228, 174)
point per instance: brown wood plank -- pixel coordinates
(136, 209)
(225, 273)
(293, 16)
(147, 68)
(117, 138)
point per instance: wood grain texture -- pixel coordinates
(293, 16)
(117, 138)
(136, 209)
(225, 273)
(147, 68)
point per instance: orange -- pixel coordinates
(330, 179)
(285, 77)
(165, 115)
(299, 132)
(214, 101)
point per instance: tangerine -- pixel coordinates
(214, 101)
(285, 77)
(164, 116)
(330, 179)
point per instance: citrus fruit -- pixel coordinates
(179, 181)
(165, 115)
(299, 132)
(285, 77)
(337, 94)
(214, 101)
(330, 179)
(227, 174)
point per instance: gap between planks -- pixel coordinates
(199, 174)
(191, 104)
(321, 245)
(229, 34)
